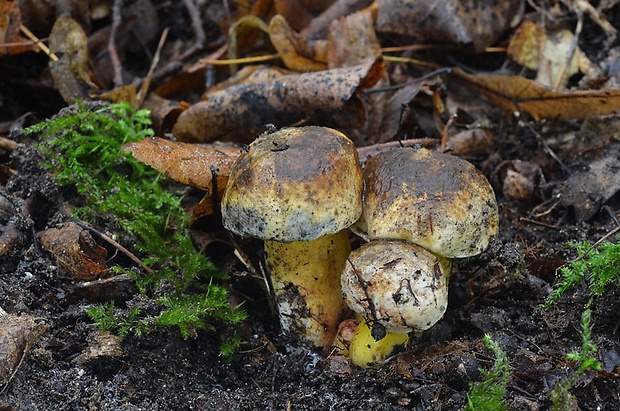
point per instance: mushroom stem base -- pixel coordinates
(365, 351)
(305, 276)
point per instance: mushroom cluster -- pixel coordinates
(421, 208)
(300, 189)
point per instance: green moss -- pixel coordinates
(597, 267)
(489, 394)
(86, 153)
(585, 359)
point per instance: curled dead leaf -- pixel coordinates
(471, 143)
(17, 335)
(247, 75)
(164, 112)
(480, 23)
(76, 252)
(240, 112)
(318, 26)
(520, 94)
(295, 51)
(189, 164)
(521, 180)
(70, 72)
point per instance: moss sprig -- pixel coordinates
(489, 394)
(597, 267)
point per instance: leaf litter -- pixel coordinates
(528, 123)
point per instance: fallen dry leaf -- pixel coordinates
(300, 13)
(317, 29)
(521, 180)
(551, 53)
(189, 164)
(17, 335)
(295, 51)
(164, 112)
(11, 42)
(294, 12)
(76, 252)
(352, 40)
(70, 72)
(480, 23)
(520, 94)
(249, 74)
(241, 112)
(394, 111)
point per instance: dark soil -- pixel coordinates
(498, 294)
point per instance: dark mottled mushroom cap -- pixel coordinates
(438, 201)
(297, 184)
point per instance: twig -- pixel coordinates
(224, 62)
(38, 42)
(116, 62)
(144, 87)
(201, 37)
(119, 247)
(540, 223)
(548, 149)
(571, 51)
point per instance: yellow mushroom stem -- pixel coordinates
(305, 276)
(365, 351)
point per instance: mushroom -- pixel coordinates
(438, 201)
(398, 287)
(299, 189)
(431, 207)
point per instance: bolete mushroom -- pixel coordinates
(299, 189)
(436, 201)
(398, 286)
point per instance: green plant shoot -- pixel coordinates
(489, 394)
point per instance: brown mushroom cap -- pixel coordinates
(438, 201)
(297, 184)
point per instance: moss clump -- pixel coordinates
(86, 153)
